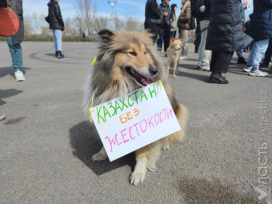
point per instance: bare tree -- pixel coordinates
(78, 23)
(86, 10)
(35, 17)
(28, 28)
(118, 23)
(69, 27)
(43, 25)
(100, 23)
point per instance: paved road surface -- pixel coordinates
(45, 148)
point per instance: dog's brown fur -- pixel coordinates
(109, 79)
(173, 54)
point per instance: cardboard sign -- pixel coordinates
(135, 120)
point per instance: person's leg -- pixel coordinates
(241, 59)
(227, 62)
(239, 53)
(248, 67)
(184, 51)
(154, 29)
(55, 41)
(17, 58)
(213, 60)
(203, 55)
(268, 55)
(259, 49)
(219, 64)
(160, 39)
(173, 34)
(59, 39)
(220, 61)
(179, 33)
(167, 36)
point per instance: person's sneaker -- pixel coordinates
(183, 57)
(203, 66)
(19, 76)
(2, 117)
(60, 55)
(247, 69)
(257, 72)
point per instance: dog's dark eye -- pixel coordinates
(133, 53)
(145, 53)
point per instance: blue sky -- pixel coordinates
(123, 8)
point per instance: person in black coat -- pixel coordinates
(56, 23)
(153, 18)
(165, 30)
(225, 35)
(260, 29)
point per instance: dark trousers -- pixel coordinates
(173, 34)
(154, 29)
(268, 53)
(220, 61)
(165, 35)
(198, 38)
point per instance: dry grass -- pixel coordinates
(65, 38)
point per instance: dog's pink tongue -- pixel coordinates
(145, 81)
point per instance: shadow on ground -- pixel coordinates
(199, 77)
(201, 191)
(86, 144)
(10, 71)
(8, 93)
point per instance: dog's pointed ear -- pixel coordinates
(182, 40)
(105, 35)
(172, 39)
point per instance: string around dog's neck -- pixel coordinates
(91, 108)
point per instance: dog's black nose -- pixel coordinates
(153, 70)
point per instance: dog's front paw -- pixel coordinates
(175, 77)
(166, 146)
(137, 177)
(99, 157)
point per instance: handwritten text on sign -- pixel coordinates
(135, 120)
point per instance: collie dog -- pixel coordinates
(173, 54)
(125, 62)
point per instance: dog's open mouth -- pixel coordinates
(138, 77)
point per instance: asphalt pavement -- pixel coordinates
(46, 148)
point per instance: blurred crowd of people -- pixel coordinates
(223, 31)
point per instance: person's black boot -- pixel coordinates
(218, 78)
(60, 55)
(241, 60)
(56, 54)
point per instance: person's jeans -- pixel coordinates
(185, 34)
(165, 35)
(203, 55)
(16, 54)
(257, 53)
(57, 40)
(239, 53)
(268, 53)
